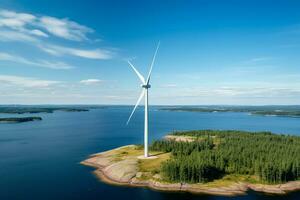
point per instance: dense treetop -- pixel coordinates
(270, 157)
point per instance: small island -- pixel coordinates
(207, 161)
(19, 119)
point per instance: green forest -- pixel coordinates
(213, 154)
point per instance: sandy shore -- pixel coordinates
(121, 167)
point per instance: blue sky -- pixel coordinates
(212, 52)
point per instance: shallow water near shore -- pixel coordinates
(40, 159)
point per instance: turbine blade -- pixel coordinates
(136, 105)
(137, 72)
(152, 63)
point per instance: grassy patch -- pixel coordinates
(125, 152)
(153, 165)
(230, 179)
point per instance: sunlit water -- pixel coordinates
(40, 160)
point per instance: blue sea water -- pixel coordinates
(40, 160)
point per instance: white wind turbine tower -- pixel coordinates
(145, 86)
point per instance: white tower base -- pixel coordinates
(146, 154)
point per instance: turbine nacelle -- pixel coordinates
(146, 86)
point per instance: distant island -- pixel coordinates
(44, 109)
(207, 161)
(19, 119)
(285, 111)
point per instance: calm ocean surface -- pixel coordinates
(40, 160)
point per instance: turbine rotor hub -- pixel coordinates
(146, 86)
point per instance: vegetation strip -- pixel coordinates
(284, 111)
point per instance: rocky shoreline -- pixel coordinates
(114, 169)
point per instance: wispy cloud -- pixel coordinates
(11, 35)
(64, 28)
(15, 20)
(31, 24)
(91, 54)
(36, 30)
(90, 81)
(20, 22)
(258, 60)
(38, 63)
(30, 82)
(38, 33)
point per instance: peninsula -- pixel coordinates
(212, 162)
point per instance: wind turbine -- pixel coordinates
(145, 86)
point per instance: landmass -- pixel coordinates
(19, 119)
(19, 109)
(225, 163)
(35, 109)
(283, 111)
(278, 113)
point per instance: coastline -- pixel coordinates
(117, 167)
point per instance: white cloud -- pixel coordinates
(91, 54)
(38, 63)
(28, 23)
(15, 20)
(53, 65)
(21, 81)
(64, 28)
(90, 81)
(38, 33)
(8, 36)
(20, 22)
(34, 30)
